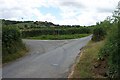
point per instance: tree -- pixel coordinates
(116, 13)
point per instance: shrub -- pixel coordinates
(98, 34)
(10, 38)
(11, 41)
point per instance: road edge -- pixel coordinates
(72, 68)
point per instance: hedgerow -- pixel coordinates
(55, 31)
(11, 41)
(111, 52)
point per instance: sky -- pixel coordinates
(63, 12)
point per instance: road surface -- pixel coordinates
(46, 59)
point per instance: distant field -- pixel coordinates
(58, 37)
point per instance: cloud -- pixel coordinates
(72, 4)
(105, 10)
(81, 12)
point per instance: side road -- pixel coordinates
(54, 63)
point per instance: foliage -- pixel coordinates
(11, 41)
(110, 49)
(98, 34)
(112, 46)
(55, 31)
(34, 24)
(58, 37)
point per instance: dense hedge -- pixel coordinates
(54, 31)
(111, 51)
(11, 41)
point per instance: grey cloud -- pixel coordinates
(105, 10)
(10, 14)
(72, 3)
(13, 13)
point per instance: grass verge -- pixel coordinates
(12, 57)
(89, 54)
(58, 37)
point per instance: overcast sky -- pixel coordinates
(79, 12)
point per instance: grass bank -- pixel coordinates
(59, 37)
(89, 54)
(13, 57)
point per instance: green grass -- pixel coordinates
(59, 37)
(85, 64)
(12, 57)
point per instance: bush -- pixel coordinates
(98, 34)
(11, 41)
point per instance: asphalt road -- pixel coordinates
(46, 59)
